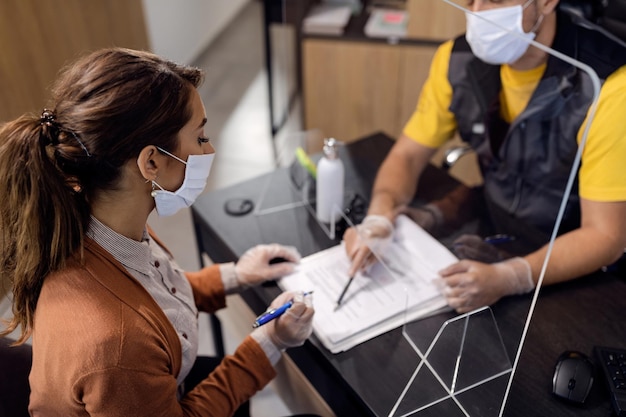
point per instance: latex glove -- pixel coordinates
(469, 285)
(294, 326)
(475, 248)
(254, 265)
(373, 234)
(428, 216)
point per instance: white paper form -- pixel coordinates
(399, 288)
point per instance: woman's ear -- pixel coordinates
(148, 162)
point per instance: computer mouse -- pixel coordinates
(573, 377)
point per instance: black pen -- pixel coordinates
(345, 289)
(274, 313)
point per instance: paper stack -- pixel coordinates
(403, 286)
(327, 19)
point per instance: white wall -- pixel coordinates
(180, 30)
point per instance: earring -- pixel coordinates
(154, 186)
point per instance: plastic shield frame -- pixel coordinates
(462, 364)
(293, 193)
(465, 366)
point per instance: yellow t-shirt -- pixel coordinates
(601, 176)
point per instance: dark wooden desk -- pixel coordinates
(367, 380)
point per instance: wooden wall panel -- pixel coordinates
(348, 87)
(38, 37)
(352, 89)
(435, 19)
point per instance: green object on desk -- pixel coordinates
(305, 162)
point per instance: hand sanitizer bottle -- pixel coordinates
(330, 184)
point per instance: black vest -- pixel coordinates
(526, 165)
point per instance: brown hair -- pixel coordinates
(105, 108)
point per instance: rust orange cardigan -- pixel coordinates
(103, 347)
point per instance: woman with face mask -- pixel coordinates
(113, 319)
(523, 112)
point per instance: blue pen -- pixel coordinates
(274, 313)
(499, 238)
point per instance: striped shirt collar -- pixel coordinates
(129, 252)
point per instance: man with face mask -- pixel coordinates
(523, 112)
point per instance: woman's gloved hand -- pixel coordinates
(294, 326)
(468, 285)
(254, 265)
(373, 234)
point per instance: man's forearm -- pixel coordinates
(384, 202)
(574, 254)
(599, 241)
(398, 176)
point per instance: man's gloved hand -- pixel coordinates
(254, 265)
(475, 248)
(468, 285)
(457, 207)
(429, 216)
(294, 326)
(373, 234)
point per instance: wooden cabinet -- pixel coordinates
(352, 89)
(435, 19)
(353, 85)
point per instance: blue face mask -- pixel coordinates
(196, 174)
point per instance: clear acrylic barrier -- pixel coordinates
(466, 353)
(297, 189)
(465, 365)
(300, 182)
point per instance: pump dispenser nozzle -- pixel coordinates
(330, 148)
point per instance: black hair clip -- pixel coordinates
(47, 118)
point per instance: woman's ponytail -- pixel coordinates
(42, 214)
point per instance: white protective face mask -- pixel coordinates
(196, 174)
(493, 44)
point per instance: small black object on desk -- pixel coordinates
(238, 206)
(612, 364)
(573, 377)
